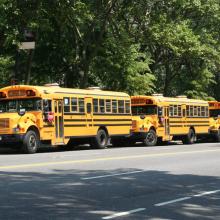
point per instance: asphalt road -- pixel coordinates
(164, 182)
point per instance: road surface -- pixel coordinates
(164, 182)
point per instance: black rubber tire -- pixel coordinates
(190, 138)
(100, 141)
(217, 136)
(151, 138)
(31, 142)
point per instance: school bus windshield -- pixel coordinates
(214, 113)
(17, 104)
(144, 110)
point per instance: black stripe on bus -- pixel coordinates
(48, 126)
(99, 114)
(193, 125)
(88, 136)
(188, 121)
(84, 125)
(84, 120)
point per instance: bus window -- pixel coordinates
(179, 111)
(199, 110)
(171, 110)
(191, 111)
(81, 105)
(127, 107)
(195, 111)
(206, 112)
(114, 106)
(187, 110)
(101, 105)
(66, 105)
(95, 105)
(17, 104)
(144, 110)
(74, 106)
(108, 105)
(121, 106)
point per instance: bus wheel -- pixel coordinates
(100, 141)
(217, 136)
(190, 138)
(31, 142)
(151, 138)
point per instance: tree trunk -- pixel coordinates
(29, 63)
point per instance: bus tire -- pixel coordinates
(100, 141)
(217, 136)
(151, 138)
(190, 138)
(31, 142)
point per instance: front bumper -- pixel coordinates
(11, 138)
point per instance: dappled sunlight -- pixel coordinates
(65, 193)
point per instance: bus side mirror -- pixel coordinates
(21, 111)
(160, 111)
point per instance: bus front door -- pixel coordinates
(58, 121)
(166, 122)
(89, 112)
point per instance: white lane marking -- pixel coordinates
(172, 201)
(207, 193)
(109, 175)
(186, 198)
(119, 214)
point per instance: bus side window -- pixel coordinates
(127, 107)
(179, 111)
(114, 106)
(171, 111)
(66, 105)
(101, 105)
(81, 105)
(74, 106)
(95, 105)
(108, 106)
(187, 110)
(121, 106)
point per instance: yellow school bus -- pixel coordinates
(214, 113)
(157, 118)
(34, 115)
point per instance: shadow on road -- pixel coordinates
(65, 194)
(51, 149)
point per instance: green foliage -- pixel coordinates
(140, 47)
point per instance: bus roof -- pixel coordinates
(63, 91)
(157, 99)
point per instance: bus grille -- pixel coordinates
(4, 123)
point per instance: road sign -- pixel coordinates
(27, 45)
